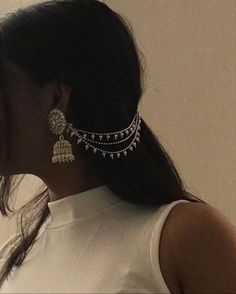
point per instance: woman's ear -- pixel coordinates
(61, 96)
(54, 94)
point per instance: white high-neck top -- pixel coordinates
(93, 242)
(81, 206)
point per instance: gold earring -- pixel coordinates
(62, 149)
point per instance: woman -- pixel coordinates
(71, 82)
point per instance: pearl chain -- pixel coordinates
(134, 127)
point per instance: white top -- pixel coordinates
(94, 242)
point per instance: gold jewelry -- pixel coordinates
(62, 151)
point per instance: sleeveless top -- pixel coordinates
(93, 242)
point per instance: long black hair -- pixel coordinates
(90, 47)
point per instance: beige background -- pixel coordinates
(190, 97)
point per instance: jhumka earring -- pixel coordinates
(62, 150)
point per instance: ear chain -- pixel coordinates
(62, 149)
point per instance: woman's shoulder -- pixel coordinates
(192, 236)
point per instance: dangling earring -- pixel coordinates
(62, 149)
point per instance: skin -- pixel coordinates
(198, 250)
(32, 139)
